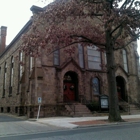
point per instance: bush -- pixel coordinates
(93, 106)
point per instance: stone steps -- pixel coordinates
(78, 110)
(134, 109)
(124, 106)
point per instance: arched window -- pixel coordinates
(94, 58)
(125, 64)
(56, 57)
(31, 63)
(11, 75)
(95, 86)
(81, 55)
(5, 78)
(20, 69)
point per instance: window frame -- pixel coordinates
(11, 76)
(20, 71)
(4, 80)
(125, 60)
(81, 56)
(98, 59)
(56, 54)
(97, 86)
(30, 63)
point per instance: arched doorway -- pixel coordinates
(121, 88)
(70, 85)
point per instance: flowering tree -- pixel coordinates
(108, 24)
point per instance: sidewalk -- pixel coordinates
(74, 122)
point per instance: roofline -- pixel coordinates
(33, 9)
(36, 9)
(17, 36)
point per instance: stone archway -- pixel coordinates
(121, 88)
(70, 87)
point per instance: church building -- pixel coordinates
(64, 82)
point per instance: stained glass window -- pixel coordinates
(95, 86)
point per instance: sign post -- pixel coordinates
(39, 102)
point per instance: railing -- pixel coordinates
(125, 105)
(137, 104)
(69, 103)
(83, 100)
(134, 103)
(88, 103)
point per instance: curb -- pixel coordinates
(108, 124)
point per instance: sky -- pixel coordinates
(15, 13)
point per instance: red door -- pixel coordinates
(69, 92)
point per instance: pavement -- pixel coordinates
(74, 122)
(11, 125)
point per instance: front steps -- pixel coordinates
(78, 110)
(123, 105)
(134, 109)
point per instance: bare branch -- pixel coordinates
(121, 47)
(119, 33)
(124, 5)
(87, 40)
(117, 27)
(131, 3)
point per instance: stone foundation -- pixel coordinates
(32, 111)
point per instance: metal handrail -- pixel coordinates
(135, 103)
(84, 101)
(71, 105)
(126, 104)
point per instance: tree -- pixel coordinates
(108, 24)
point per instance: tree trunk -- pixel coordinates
(114, 113)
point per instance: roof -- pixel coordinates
(23, 30)
(34, 9)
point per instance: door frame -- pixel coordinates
(71, 77)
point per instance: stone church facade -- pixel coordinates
(62, 77)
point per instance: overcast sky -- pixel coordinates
(15, 13)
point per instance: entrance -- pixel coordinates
(121, 88)
(70, 85)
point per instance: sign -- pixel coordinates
(39, 100)
(104, 102)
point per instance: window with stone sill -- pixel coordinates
(125, 64)
(20, 72)
(4, 80)
(30, 63)
(56, 58)
(81, 55)
(20, 65)
(94, 58)
(11, 75)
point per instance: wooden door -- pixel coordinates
(69, 91)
